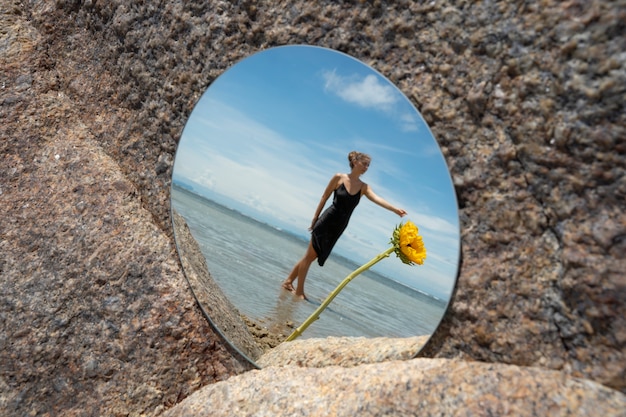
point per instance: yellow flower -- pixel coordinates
(408, 244)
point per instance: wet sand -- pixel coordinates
(269, 336)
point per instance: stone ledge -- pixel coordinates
(414, 387)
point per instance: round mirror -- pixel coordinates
(257, 155)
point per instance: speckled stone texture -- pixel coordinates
(432, 387)
(525, 98)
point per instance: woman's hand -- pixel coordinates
(400, 212)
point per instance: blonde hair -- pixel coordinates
(357, 156)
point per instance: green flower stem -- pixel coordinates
(336, 291)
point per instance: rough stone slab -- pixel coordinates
(434, 387)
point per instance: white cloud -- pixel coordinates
(366, 91)
(408, 123)
(372, 93)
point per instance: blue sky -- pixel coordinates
(268, 134)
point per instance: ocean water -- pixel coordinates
(250, 260)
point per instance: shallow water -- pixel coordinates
(249, 260)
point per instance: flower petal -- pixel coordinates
(408, 244)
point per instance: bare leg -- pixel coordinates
(303, 269)
(288, 283)
(300, 271)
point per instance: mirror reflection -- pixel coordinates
(260, 157)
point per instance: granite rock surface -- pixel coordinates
(525, 99)
(434, 387)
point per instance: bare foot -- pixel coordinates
(301, 296)
(288, 286)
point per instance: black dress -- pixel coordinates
(333, 221)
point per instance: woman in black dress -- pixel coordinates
(328, 227)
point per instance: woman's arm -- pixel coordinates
(369, 193)
(332, 185)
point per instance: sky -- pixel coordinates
(267, 136)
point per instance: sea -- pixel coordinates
(249, 260)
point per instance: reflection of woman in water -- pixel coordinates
(327, 228)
